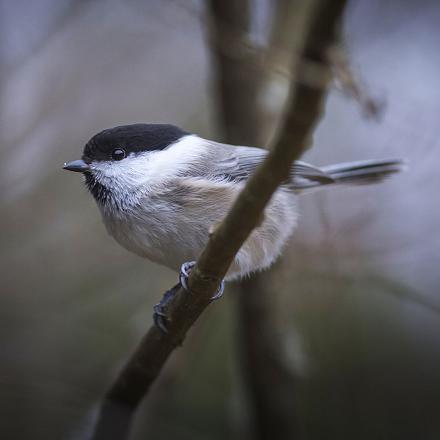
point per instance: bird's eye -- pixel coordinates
(118, 154)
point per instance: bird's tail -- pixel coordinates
(354, 173)
(365, 171)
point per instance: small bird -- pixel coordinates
(161, 189)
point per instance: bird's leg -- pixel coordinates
(160, 315)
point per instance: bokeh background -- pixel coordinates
(357, 292)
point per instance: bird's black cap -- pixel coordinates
(132, 139)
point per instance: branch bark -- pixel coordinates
(236, 69)
(302, 114)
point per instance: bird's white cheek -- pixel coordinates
(115, 174)
(104, 170)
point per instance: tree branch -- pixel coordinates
(267, 375)
(237, 69)
(304, 110)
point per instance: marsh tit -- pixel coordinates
(161, 189)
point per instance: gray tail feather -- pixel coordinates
(365, 171)
(357, 173)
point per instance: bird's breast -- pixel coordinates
(158, 232)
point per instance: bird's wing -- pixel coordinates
(238, 163)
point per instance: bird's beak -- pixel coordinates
(78, 166)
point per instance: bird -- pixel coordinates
(161, 189)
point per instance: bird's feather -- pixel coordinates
(240, 162)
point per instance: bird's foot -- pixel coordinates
(160, 315)
(185, 271)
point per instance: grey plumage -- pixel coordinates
(238, 163)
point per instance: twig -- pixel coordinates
(302, 114)
(352, 83)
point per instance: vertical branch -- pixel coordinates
(239, 82)
(270, 384)
(237, 70)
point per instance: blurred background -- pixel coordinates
(356, 297)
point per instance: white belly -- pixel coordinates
(174, 231)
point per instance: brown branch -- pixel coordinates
(270, 384)
(237, 70)
(302, 114)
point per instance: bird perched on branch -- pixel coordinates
(161, 189)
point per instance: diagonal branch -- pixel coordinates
(303, 112)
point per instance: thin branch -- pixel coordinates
(352, 83)
(302, 114)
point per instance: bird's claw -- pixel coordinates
(219, 292)
(185, 271)
(160, 315)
